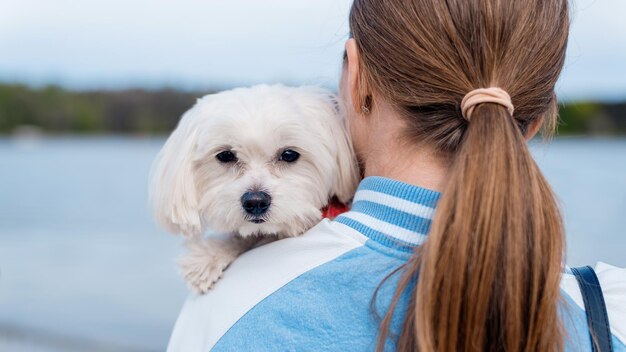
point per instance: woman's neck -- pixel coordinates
(388, 154)
(419, 169)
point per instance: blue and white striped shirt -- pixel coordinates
(391, 212)
(313, 292)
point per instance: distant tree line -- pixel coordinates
(55, 110)
(592, 118)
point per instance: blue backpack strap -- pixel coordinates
(595, 309)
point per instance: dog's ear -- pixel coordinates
(172, 189)
(347, 178)
(325, 108)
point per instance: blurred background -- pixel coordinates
(90, 89)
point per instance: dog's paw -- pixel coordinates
(204, 265)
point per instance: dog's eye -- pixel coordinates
(226, 157)
(289, 156)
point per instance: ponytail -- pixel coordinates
(487, 277)
(489, 271)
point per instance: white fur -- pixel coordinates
(191, 191)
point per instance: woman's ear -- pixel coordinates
(533, 128)
(357, 84)
(172, 190)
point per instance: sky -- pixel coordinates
(203, 44)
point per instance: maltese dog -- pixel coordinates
(251, 165)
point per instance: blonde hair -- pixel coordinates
(489, 271)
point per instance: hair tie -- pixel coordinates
(485, 95)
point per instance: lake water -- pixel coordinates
(84, 268)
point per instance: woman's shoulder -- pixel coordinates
(284, 271)
(613, 283)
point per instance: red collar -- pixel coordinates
(334, 209)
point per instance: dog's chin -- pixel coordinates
(291, 228)
(261, 228)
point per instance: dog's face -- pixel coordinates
(260, 160)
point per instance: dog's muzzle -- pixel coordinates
(256, 204)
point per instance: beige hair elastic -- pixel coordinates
(493, 95)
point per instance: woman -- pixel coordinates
(441, 97)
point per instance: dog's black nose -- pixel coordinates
(256, 203)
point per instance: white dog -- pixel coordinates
(255, 164)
